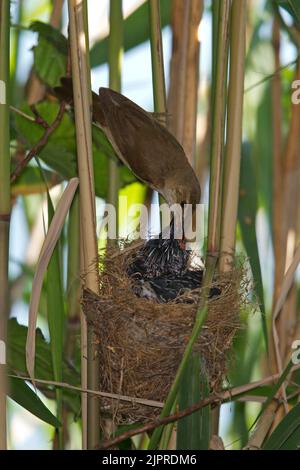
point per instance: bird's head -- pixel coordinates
(181, 195)
(183, 191)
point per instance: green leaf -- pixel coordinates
(56, 316)
(52, 35)
(263, 153)
(22, 394)
(246, 347)
(30, 181)
(17, 335)
(60, 150)
(55, 304)
(193, 431)
(274, 391)
(50, 54)
(136, 31)
(292, 7)
(59, 153)
(48, 63)
(286, 435)
(247, 216)
(16, 344)
(54, 44)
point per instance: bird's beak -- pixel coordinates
(182, 244)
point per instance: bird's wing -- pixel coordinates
(144, 145)
(140, 141)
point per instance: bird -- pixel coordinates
(143, 144)
(157, 159)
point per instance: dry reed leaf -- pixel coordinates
(50, 241)
(262, 428)
(268, 417)
(285, 288)
(287, 282)
(216, 443)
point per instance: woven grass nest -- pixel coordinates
(141, 341)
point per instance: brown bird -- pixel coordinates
(143, 144)
(157, 159)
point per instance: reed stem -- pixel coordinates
(234, 133)
(157, 58)
(184, 74)
(115, 53)
(5, 205)
(73, 278)
(220, 64)
(89, 252)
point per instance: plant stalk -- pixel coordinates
(218, 127)
(183, 94)
(157, 58)
(115, 54)
(277, 162)
(231, 182)
(157, 62)
(5, 205)
(89, 252)
(73, 278)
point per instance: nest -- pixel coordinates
(141, 341)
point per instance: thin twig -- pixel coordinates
(271, 75)
(233, 391)
(41, 143)
(213, 400)
(21, 113)
(38, 118)
(114, 396)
